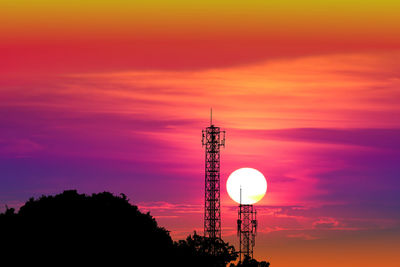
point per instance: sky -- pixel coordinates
(113, 95)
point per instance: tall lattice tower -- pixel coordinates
(247, 230)
(212, 141)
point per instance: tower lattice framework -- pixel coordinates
(212, 139)
(247, 230)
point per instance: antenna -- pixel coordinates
(247, 229)
(240, 195)
(211, 117)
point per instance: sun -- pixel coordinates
(246, 186)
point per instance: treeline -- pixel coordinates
(77, 229)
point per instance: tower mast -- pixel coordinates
(212, 140)
(247, 229)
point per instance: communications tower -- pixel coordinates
(247, 229)
(212, 139)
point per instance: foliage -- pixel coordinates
(197, 250)
(248, 262)
(72, 228)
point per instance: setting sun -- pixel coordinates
(246, 186)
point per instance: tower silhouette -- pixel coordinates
(247, 229)
(212, 141)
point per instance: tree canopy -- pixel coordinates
(199, 251)
(77, 229)
(249, 262)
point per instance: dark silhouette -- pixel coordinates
(77, 229)
(249, 262)
(212, 140)
(203, 251)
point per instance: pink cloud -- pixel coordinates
(326, 223)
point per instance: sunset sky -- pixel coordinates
(113, 95)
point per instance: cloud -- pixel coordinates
(325, 223)
(329, 149)
(368, 137)
(161, 207)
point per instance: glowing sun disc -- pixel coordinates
(251, 181)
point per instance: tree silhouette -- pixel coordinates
(72, 228)
(249, 262)
(197, 251)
